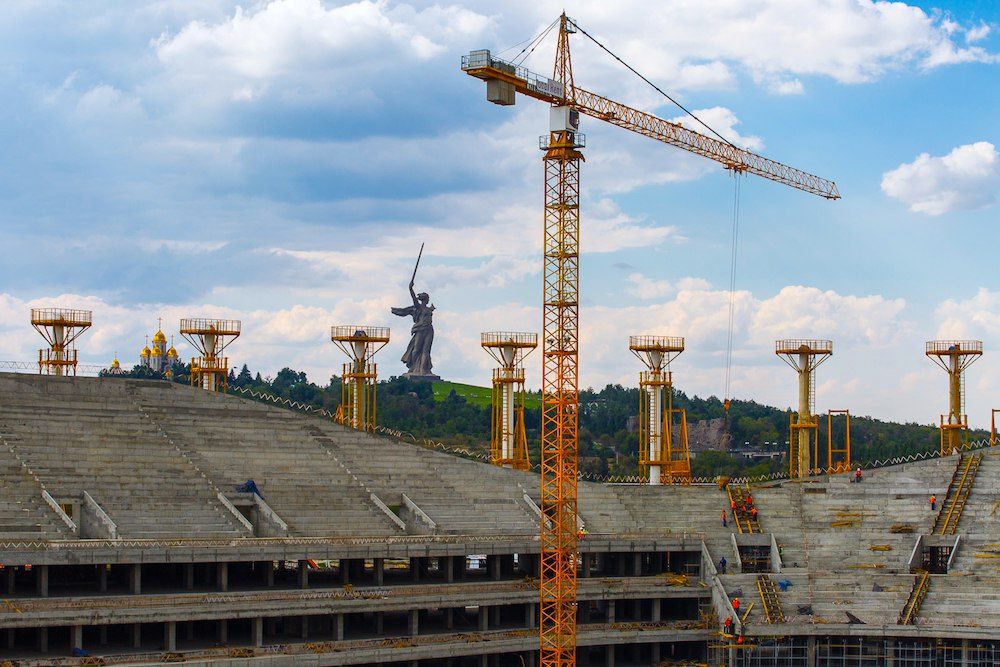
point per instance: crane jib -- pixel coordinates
(504, 79)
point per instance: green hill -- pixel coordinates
(481, 396)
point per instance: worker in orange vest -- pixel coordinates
(736, 604)
(749, 500)
(753, 513)
(724, 518)
(728, 625)
(732, 506)
(933, 500)
(739, 640)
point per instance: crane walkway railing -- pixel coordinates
(958, 493)
(769, 599)
(917, 594)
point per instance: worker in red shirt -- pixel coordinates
(736, 604)
(749, 500)
(933, 501)
(724, 524)
(727, 625)
(857, 475)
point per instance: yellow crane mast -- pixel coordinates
(561, 298)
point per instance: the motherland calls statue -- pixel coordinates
(418, 353)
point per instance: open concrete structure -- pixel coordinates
(124, 536)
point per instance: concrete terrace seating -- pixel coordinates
(23, 513)
(461, 496)
(82, 435)
(233, 440)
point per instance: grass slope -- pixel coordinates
(481, 396)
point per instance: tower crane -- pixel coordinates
(561, 294)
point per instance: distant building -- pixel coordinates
(116, 368)
(159, 358)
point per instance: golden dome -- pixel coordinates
(157, 352)
(159, 337)
(172, 352)
(115, 363)
(145, 352)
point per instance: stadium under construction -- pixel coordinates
(130, 536)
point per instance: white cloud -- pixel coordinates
(976, 317)
(967, 178)
(303, 46)
(977, 33)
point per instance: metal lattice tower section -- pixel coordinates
(358, 405)
(804, 356)
(665, 461)
(560, 375)
(211, 338)
(508, 440)
(954, 356)
(838, 452)
(60, 327)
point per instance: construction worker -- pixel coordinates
(753, 513)
(727, 625)
(724, 518)
(933, 500)
(749, 500)
(732, 506)
(857, 475)
(722, 565)
(736, 605)
(739, 640)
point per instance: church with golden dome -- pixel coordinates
(159, 357)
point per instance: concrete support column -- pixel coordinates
(654, 653)
(189, 576)
(449, 569)
(495, 616)
(449, 618)
(609, 656)
(11, 575)
(656, 608)
(890, 650)
(304, 627)
(484, 660)
(379, 622)
(257, 631)
(345, 570)
(102, 578)
(223, 631)
(965, 651)
(379, 568)
(269, 573)
(43, 640)
(529, 616)
(9, 634)
(222, 577)
(637, 565)
(811, 651)
(587, 564)
(484, 618)
(413, 623)
(170, 636)
(42, 580)
(493, 567)
(76, 636)
(303, 574)
(611, 611)
(135, 579)
(459, 567)
(414, 568)
(136, 635)
(338, 627)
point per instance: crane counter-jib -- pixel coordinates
(505, 79)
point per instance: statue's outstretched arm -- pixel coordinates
(413, 295)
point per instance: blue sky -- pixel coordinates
(282, 161)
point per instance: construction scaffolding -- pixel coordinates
(954, 356)
(508, 439)
(838, 451)
(662, 459)
(60, 327)
(804, 356)
(358, 404)
(211, 338)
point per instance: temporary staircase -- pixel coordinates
(745, 522)
(769, 599)
(917, 594)
(958, 493)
